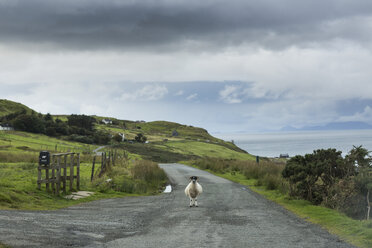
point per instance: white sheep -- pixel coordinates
(193, 190)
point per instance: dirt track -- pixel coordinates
(229, 215)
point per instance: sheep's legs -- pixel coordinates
(193, 202)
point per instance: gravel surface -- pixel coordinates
(229, 215)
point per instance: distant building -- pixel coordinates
(107, 121)
(284, 155)
(6, 127)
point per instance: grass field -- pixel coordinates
(18, 146)
(18, 188)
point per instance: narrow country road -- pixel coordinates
(96, 151)
(229, 215)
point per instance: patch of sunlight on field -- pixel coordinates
(207, 150)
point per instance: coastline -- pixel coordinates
(293, 143)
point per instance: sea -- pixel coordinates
(299, 142)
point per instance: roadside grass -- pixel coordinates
(358, 233)
(18, 188)
(18, 184)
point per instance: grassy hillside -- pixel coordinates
(9, 107)
(16, 146)
(175, 138)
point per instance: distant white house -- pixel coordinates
(107, 121)
(5, 127)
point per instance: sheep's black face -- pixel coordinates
(193, 179)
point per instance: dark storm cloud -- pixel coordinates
(139, 24)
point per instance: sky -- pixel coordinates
(226, 66)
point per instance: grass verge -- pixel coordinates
(18, 185)
(355, 232)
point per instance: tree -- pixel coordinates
(81, 121)
(359, 157)
(51, 131)
(302, 176)
(361, 160)
(101, 137)
(48, 117)
(140, 138)
(117, 137)
(29, 123)
(312, 176)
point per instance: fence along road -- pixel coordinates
(229, 215)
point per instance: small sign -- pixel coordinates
(44, 158)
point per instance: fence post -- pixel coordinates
(109, 160)
(64, 173)
(102, 160)
(53, 174)
(47, 178)
(71, 170)
(94, 162)
(39, 177)
(114, 158)
(78, 172)
(58, 178)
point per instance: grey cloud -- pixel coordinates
(143, 24)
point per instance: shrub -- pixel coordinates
(346, 197)
(140, 177)
(271, 182)
(127, 185)
(148, 171)
(313, 175)
(81, 138)
(101, 137)
(140, 138)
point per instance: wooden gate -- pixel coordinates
(60, 170)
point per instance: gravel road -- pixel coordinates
(229, 215)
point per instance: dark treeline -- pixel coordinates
(77, 128)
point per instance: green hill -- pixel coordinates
(9, 107)
(167, 141)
